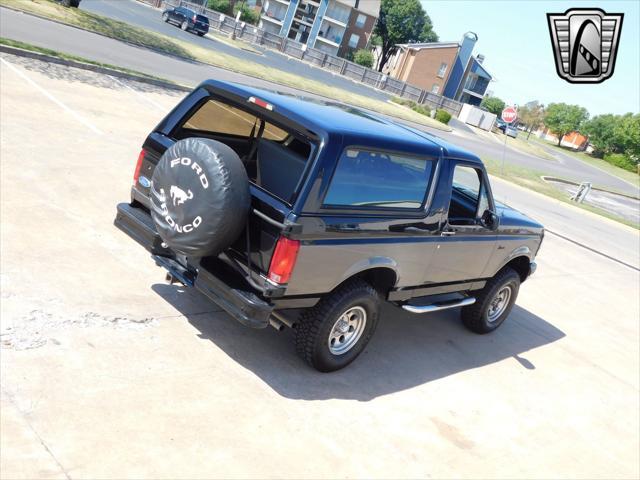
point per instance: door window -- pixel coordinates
(469, 196)
(366, 179)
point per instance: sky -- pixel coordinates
(514, 37)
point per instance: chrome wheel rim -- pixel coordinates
(347, 330)
(499, 303)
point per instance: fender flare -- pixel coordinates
(369, 264)
(522, 251)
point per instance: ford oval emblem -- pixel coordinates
(144, 181)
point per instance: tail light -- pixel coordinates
(136, 173)
(283, 260)
(194, 19)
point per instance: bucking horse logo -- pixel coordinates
(179, 196)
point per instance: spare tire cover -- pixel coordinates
(199, 197)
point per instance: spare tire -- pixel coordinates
(199, 197)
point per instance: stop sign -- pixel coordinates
(509, 114)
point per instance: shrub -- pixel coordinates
(364, 58)
(622, 161)
(443, 116)
(421, 109)
(219, 6)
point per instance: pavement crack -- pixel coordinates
(25, 417)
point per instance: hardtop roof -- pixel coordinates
(339, 118)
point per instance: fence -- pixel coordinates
(342, 66)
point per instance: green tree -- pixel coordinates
(401, 21)
(561, 118)
(531, 115)
(600, 130)
(363, 57)
(493, 105)
(627, 135)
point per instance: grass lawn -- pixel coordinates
(531, 179)
(66, 56)
(145, 38)
(596, 162)
(521, 144)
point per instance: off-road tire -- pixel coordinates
(315, 324)
(475, 317)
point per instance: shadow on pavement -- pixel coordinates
(406, 351)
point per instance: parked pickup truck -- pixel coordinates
(292, 212)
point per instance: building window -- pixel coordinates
(442, 70)
(435, 88)
(353, 40)
(361, 20)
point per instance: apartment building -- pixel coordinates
(445, 68)
(335, 27)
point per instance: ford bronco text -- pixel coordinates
(293, 212)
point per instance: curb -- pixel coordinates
(549, 178)
(94, 68)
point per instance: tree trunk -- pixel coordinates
(560, 137)
(530, 128)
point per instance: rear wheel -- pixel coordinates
(201, 33)
(332, 334)
(493, 303)
(184, 26)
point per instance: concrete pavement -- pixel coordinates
(67, 39)
(107, 372)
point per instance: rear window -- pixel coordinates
(216, 117)
(203, 19)
(275, 159)
(366, 179)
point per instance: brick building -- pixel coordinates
(445, 68)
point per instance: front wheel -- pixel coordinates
(165, 17)
(332, 334)
(493, 303)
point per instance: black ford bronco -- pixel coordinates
(293, 212)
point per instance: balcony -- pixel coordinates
(338, 13)
(330, 33)
(271, 19)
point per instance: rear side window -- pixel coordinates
(203, 19)
(365, 178)
(216, 117)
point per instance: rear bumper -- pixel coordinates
(242, 304)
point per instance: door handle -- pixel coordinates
(448, 233)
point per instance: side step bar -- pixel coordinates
(436, 307)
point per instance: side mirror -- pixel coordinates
(490, 220)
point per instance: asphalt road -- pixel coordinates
(108, 372)
(40, 32)
(149, 18)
